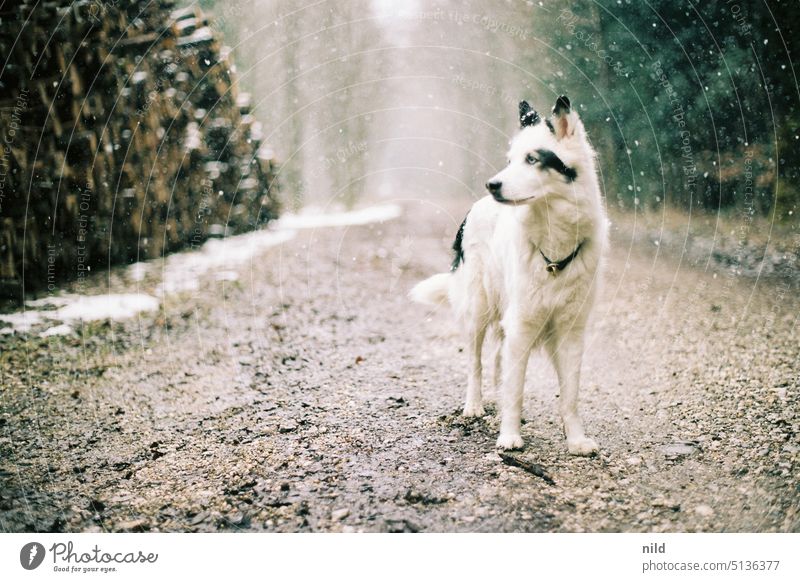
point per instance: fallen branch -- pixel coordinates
(532, 468)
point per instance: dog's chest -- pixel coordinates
(518, 277)
(537, 295)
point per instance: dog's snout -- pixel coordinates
(493, 186)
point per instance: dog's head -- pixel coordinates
(546, 157)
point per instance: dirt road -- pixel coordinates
(310, 395)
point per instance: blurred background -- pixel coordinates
(173, 122)
(420, 97)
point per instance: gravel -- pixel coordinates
(310, 395)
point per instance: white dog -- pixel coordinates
(526, 267)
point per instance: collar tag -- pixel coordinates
(554, 267)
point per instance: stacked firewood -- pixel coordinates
(123, 136)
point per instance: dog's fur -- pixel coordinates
(546, 202)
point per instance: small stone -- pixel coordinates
(199, 518)
(239, 519)
(704, 511)
(133, 525)
(666, 503)
(340, 514)
(679, 449)
(288, 426)
(633, 461)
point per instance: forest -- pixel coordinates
(690, 105)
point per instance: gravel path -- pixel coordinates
(310, 395)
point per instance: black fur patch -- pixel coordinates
(527, 115)
(457, 248)
(562, 105)
(550, 126)
(550, 160)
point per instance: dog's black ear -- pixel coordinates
(527, 115)
(562, 105)
(565, 119)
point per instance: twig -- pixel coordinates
(532, 468)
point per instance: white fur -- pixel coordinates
(503, 288)
(432, 291)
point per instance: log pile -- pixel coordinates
(123, 137)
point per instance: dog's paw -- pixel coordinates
(584, 447)
(473, 410)
(509, 442)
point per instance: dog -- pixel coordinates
(526, 269)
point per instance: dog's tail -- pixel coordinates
(432, 291)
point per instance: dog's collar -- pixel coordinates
(554, 267)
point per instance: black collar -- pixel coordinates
(555, 266)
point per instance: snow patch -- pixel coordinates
(312, 218)
(138, 271)
(182, 271)
(226, 276)
(20, 322)
(62, 329)
(54, 301)
(78, 308)
(112, 306)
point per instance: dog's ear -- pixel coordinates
(565, 119)
(527, 115)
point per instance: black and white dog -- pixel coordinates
(526, 268)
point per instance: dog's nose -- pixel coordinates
(494, 186)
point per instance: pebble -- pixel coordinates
(199, 518)
(239, 519)
(133, 525)
(679, 449)
(288, 426)
(667, 503)
(704, 511)
(340, 514)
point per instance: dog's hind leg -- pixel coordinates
(516, 349)
(566, 353)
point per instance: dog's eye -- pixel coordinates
(530, 159)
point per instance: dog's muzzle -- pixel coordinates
(494, 186)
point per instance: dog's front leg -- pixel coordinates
(516, 349)
(474, 402)
(498, 360)
(566, 353)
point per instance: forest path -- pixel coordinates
(311, 395)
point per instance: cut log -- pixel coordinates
(116, 122)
